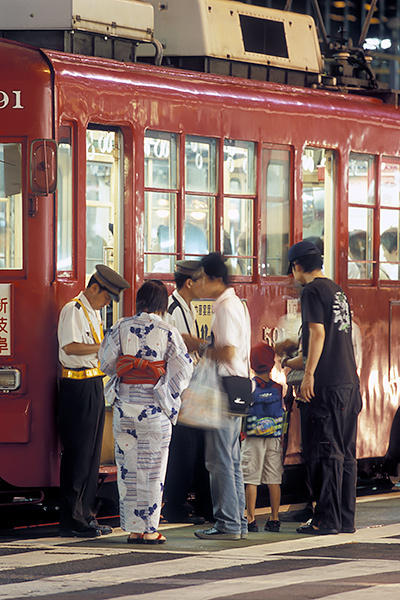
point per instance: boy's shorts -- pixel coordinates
(262, 460)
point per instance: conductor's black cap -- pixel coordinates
(110, 280)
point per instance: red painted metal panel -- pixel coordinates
(136, 97)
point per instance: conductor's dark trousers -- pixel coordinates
(81, 424)
(331, 455)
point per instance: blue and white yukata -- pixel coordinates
(143, 414)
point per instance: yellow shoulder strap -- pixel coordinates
(92, 329)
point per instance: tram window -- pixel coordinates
(104, 198)
(200, 164)
(161, 172)
(64, 201)
(361, 218)
(160, 160)
(238, 234)
(198, 235)
(275, 218)
(10, 206)
(318, 176)
(200, 183)
(239, 167)
(361, 179)
(390, 221)
(160, 243)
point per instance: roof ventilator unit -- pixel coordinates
(230, 37)
(110, 29)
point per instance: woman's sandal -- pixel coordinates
(160, 539)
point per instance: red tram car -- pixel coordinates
(156, 164)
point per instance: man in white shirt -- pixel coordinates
(186, 470)
(231, 349)
(81, 402)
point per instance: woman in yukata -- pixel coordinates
(149, 367)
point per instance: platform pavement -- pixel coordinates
(287, 565)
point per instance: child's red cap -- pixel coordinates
(262, 358)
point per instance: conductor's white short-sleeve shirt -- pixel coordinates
(73, 326)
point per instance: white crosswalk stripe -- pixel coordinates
(200, 583)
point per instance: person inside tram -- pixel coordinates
(389, 243)
(149, 367)
(357, 252)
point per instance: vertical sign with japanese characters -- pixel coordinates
(204, 312)
(5, 319)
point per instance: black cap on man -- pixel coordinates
(300, 250)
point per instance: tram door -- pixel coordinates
(104, 230)
(318, 177)
(104, 193)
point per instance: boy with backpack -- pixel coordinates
(262, 447)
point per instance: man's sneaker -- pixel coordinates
(82, 532)
(252, 527)
(216, 534)
(104, 529)
(273, 526)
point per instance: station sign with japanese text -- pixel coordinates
(5, 319)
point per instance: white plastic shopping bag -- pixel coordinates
(203, 402)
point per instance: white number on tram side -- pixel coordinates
(5, 99)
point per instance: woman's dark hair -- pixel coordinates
(310, 262)
(152, 297)
(214, 266)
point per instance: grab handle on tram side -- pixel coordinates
(43, 167)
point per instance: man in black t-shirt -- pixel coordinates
(330, 390)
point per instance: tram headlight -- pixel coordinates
(10, 379)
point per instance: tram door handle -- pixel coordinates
(108, 256)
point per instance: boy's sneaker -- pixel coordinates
(252, 527)
(272, 526)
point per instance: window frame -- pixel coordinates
(68, 274)
(218, 196)
(10, 274)
(178, 190)
(376, 163)
(380, 207)
(262, 186)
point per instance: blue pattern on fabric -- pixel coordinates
(147, 411)
(143, 415)
(152, 509)
(150, 352)
(140, 513)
